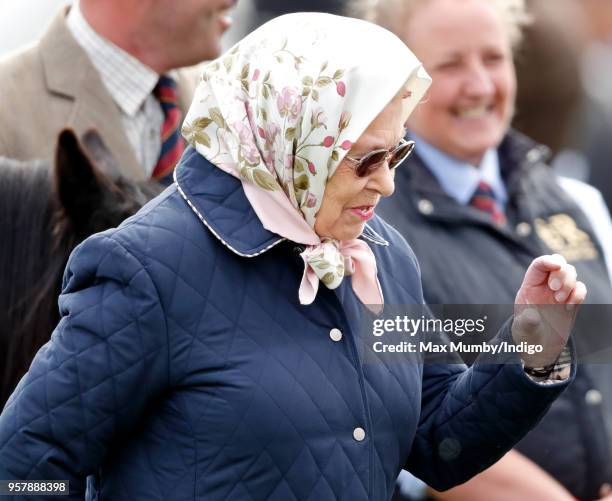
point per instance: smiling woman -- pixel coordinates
(471, 104)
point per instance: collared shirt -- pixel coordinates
(130, 84)
(460, 179)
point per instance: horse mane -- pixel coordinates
(27, 260)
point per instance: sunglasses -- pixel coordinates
(374, 159)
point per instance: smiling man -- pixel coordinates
(110, 65)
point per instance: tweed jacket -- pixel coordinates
(51, 85)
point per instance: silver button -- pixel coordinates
(534, 155)
(593, 397)
(335, 335)
(359, 434)
(425, 206)
(523, 229)
(449, 449)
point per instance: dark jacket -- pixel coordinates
(185, 368)
(465, 258)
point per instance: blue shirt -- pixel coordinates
(460, 179)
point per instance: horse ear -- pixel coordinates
(102, 157)
(78, 186)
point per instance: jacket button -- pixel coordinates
(523, 229)
(335, 335)
(534, 155)
(425, 206)
(359, 434)
(593, 397)
(449, 449)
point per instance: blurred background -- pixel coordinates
(23, 21)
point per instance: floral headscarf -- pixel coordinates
(281, 109)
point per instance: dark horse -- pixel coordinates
(44, 213)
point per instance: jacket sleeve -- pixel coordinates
(91, 383)
(471, 417)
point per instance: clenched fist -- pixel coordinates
(545, 308)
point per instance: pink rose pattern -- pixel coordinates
(248, 149)
(251, 122)
(341, 88)
(274, 134)
(289, 103)
(346, 145)
(275, 118)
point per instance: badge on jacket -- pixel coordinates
(561, 235)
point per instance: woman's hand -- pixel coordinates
(545, 308)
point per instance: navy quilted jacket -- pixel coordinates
(185, 368)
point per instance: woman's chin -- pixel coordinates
(353, 232)
(472, 150)
(349, 231)
(474, 143)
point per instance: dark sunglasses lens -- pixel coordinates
(370, 162)
(401, 154)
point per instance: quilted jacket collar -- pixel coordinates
(220, 203)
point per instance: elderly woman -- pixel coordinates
(210, 346)
(481, 197)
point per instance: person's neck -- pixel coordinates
(125, 32)
(474, 161)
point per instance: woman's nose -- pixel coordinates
(382, 180)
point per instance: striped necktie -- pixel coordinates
(172, 145)
(484, 199)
